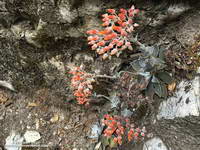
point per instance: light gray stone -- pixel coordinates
(155, 144)
(185, 102)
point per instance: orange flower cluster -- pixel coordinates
(115, 37)
(82, 85)
(136, 133)
(116, 127)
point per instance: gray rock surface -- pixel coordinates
(155, 144)
(185, 102)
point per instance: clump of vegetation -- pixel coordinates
(118, 127)
(115, 37)
(184, 64)
(150, 67)
(133, 88)
(81, 83)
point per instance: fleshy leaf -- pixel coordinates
(165, 77)
(160, 89)
(161, 54)
(149, 92)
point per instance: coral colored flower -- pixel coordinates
(123, 11)
(142, 134)
(115, 140)
(92, 32)
(114, 51)
(112, 11)
(81, 83)
(122, 16)
(112, 17)
(106, 23)
(117, 27)
(120, 127)
(119, 139)
(101, 43)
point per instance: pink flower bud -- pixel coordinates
(118, 132)
(136, 11)
(92, 31)
(115, 41)
(123, 11)
(124, 33)
(123, 47)
(136, 135)
(91, 42)
(110, 45)
(105, 15)
(112, 11)
(115, 140)
(142, 134)
(123, 24)
(130, 21)
(94, 46)
(114, 51)
(105, 19)
(122, 16)
(112, 17)
(127, 43)
(90, 38)
(101, 43)
(120, 43)
(106, 23)
(105, 49)
(138, 129)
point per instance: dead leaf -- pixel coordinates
(55, 118)
(171, 86)
(3, 98)
(32, 104)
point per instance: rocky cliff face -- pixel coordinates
(40, 38)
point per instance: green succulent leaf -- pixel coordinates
(141, 65)
(161, 54)
(144, 80)
(150, 91)
(160, 89)
(164, 77)
(155, 80)
(151, 51)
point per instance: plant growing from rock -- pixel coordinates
(149, 76)
(115, 37)
(81, 82)
(150, 67)
(119, 127)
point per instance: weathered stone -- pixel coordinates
(154, 144)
